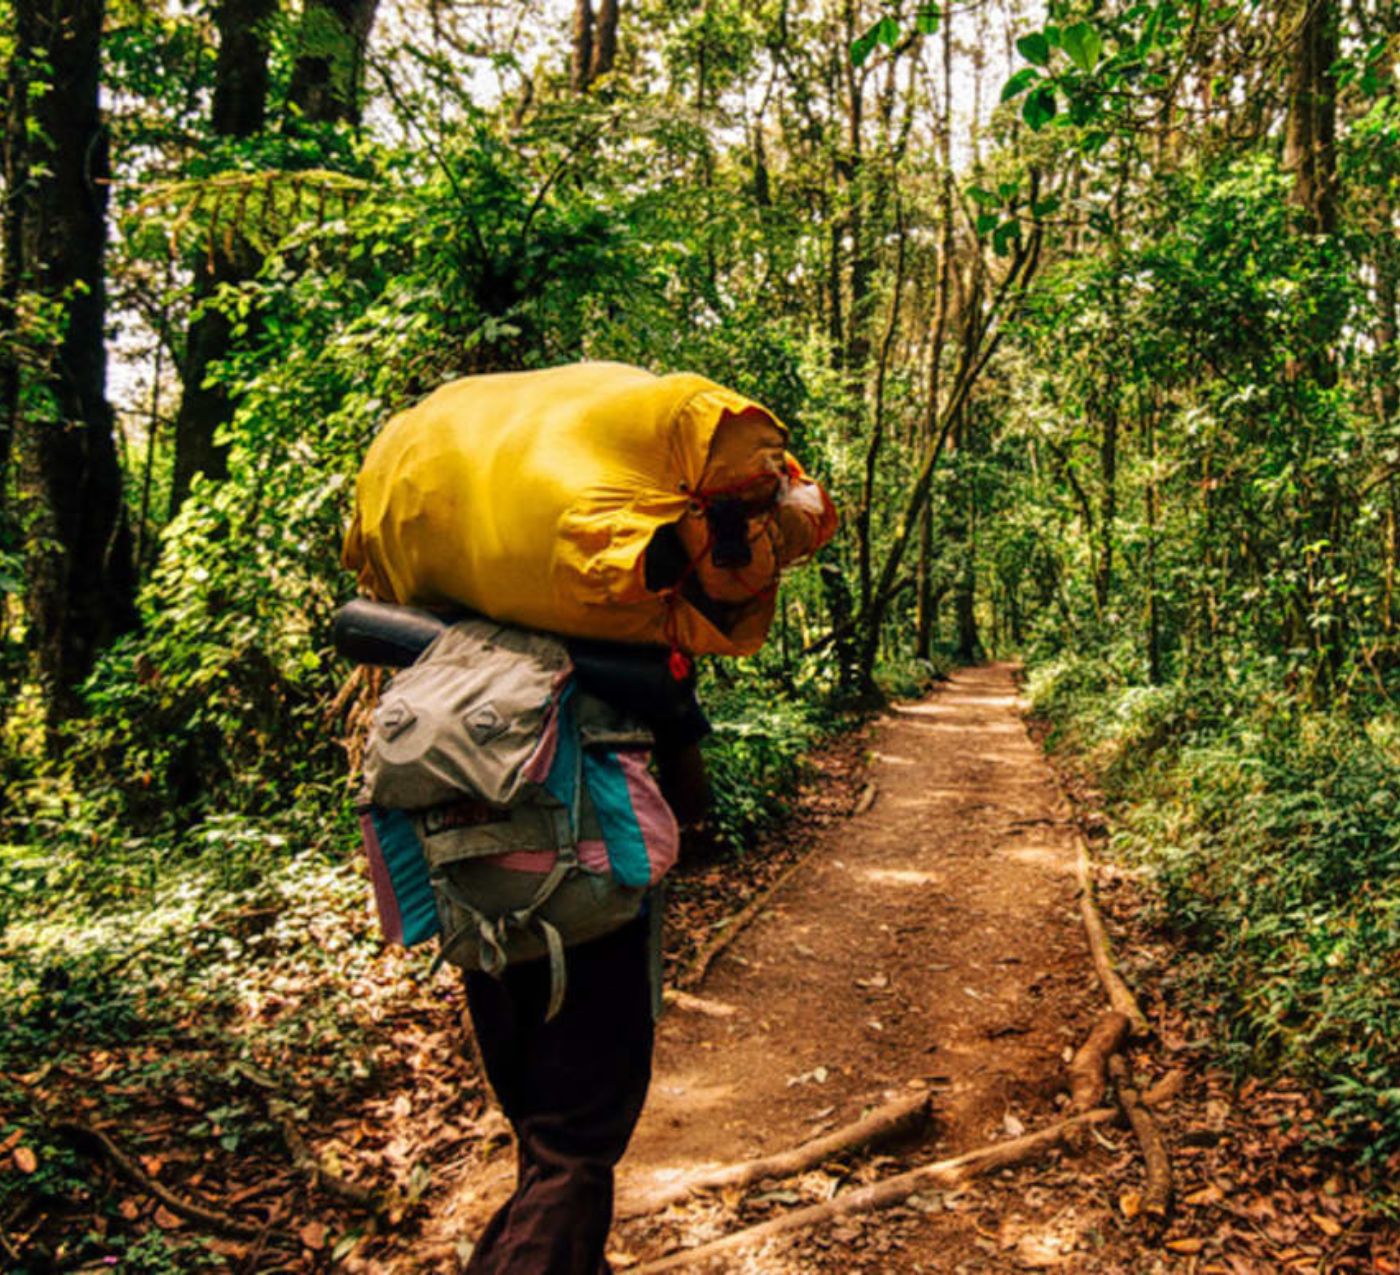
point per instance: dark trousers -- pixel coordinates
(572, 1090)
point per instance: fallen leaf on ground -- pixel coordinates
(1130, 1204)
(1211, 1194)
(1188, 1245)
(313, 1235)
(25, 1159)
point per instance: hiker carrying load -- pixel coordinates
(556, 545)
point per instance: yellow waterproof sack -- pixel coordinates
(594, 500)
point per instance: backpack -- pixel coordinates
(504, 809)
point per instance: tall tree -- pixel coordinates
(329, 71)
(1310, 142)
(81, 581)
(239, 110)
(326, 87)
(594, 43)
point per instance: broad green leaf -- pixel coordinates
(927, 18)
(1039, 107)
(983, 197)
(862, 47)
(1019, 82)
(1084, 46)
(1007, 190)
(1034, 48)
(887, 32)
(987, 221)
(1006, 234)
(1046, 207)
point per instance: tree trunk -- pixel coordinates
(239, 110)
(81, 582)
(329, 71)
(1154, 622)
(1108, 500)
(11, 267)
(604, 40)
(1309, 148)
(582, 58)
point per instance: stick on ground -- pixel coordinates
(692, 977)
(305, 1160)
(202, 1216)
(878, 1195)
(894, 1119)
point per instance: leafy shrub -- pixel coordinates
(1272, 832)
(756, 755)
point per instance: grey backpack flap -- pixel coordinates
(470, 718)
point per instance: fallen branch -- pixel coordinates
(692, 977)
(1088, 1070)
(865, 800)
(943, 1173)
(1157, 1196)
(894, 1119)
(305, 1160)
(199, 1214)
(1100, 948)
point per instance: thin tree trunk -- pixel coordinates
(582, 46)
(239, 110)
(1154, 623)
(1309, 149)
(877, 426)
(329, 71)
(11, 266)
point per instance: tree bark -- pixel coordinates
(11, 265)
(1309, 148)
(239, 110)
(582, 58)
(604, 40)
(81, 581)
(329, 71)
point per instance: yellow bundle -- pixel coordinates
(554, 500)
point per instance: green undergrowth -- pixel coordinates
(1271, 833)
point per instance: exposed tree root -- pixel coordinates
(878, 1195)
(202, 1216)
(1157, 1197)
(1100, 948)
(865, 800)
(697, 1004)
(905, 1115)
(1088, 1077)
(692, 977)
(1165, 1090)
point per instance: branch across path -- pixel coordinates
(931, 944)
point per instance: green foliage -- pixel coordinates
(1272, 833)
(755, 756)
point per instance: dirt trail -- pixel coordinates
(933, 942)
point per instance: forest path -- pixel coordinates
(933, 942)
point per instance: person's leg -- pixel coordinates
(572, 1089)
